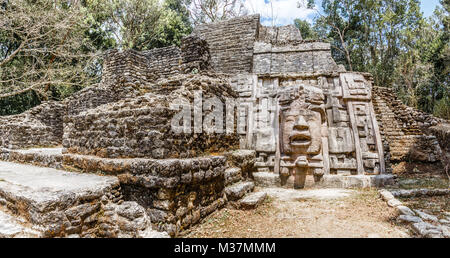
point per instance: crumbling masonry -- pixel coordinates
(300, 117)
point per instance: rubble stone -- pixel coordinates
(252, 200)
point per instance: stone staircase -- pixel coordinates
(239, 181)
(46, 202)
(241, 195)
(45, 193)
(400, 129)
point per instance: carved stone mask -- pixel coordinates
(301, 124)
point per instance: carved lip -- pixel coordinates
(300, 138)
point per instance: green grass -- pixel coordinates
(430, 182)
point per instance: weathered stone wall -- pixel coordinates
(43, 157)
(134, 68)
(97, 95)
(180, 192)
(442, 133)
(410, 120)
(163, 61)
(300, 57)
(141, 126)
(282, 50)
(231, 43)
(279, 35)
(125, 75)
(195, 54)
(39, 126)
(404, 129)
(176, 193)
(43, 124)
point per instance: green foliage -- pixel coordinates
(50, 49)
(42, 47)
(132, 23)
(442, 108)
(18, 103)
(137, 24)
(101, 36)
(305, 29)
(174, 25)
(392, 40)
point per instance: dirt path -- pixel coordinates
(306, 213)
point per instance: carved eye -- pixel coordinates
(290, 119)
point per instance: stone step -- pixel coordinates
(263, 169)
(356, 181)
(47, 197)
(44, 157)
(252, 200)
(238, 190)
(46, 202)
(13, 227)
(266, 179)
(232, 175)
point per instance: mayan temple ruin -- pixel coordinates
(106, 162)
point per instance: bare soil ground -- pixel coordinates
(317, 213)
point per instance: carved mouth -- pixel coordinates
(302, 138)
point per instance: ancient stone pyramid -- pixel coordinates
(298, 119)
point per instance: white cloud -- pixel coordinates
(284, 11)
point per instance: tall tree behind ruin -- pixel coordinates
(175, 24)
(306, 29)
(336, 22)
(437, 52)
(140, 24)
(134, 23)
(50, 49)
(393, 41)
(42, 46)
(366, 34)
(205, 11)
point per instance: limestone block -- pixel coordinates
(340, 140)
(386, 195)
(238, 190)
(252, 200)
(232, 175)
(288, 33)
(266, 179)
(405, 210)
(426, 216)
(63, 203)
(394, 203)
(409, 219)
(428, 230)
(384, 180)
(11, 227)
(262, 47)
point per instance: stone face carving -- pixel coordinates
(302, 116)
(325, 121)
(327, 127)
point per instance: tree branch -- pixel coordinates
(13, 54)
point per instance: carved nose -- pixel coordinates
(301, 124)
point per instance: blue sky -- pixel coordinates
(428, 6)
(285, 11)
